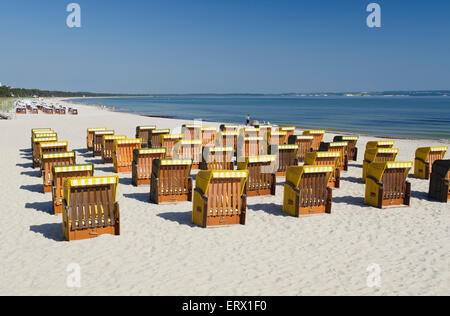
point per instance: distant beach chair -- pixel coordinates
(219, 198)
(90, 207)
(425, 157)
(37, 148)
(380, 144)
(34, 111)
(90, 136)
(251, 146)
(154, 137)
(227, 139)
(123, 154)
(326, 158)
(276, 138)
(108, 147)
(36, 135)
(51, 147)
(143, 132)
(304, 144)
(217, 158)
(51, 160)
(352, 150)
(318, 137)
(229, 128)
(341, 147)
(21, 110)
(386, 184)
(290, 130)
(97, 142)
(306, 190)
(168, 142)
(143, 163)
(261, 175)
(60, 174)
(209, 136)
(191, 131)
(171, 181)
(189, 149)
(286, 156)
(377, 155)
(439, 181)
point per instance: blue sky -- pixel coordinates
(198, 46)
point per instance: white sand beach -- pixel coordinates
(160, 252)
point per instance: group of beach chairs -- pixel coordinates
(234, 163)
(34, 107)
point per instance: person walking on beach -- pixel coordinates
(247, 119)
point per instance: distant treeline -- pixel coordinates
(26, 93)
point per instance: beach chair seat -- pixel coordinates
(306, 190)
(219, 198)
(341, 147)
(229, 128)
(143, 163)
(97, 142)
(108, 147)
(251, 146)
(60, 174)
(189, 149)
(168, 142)
(51, 160)
(326, 158)
(276, 138)
(90, 137)
(143, 132)
(304, 144)
(217, 158)
(352, 150)
(171, 181)
(377, 155)
(209, 136)
(261, 175)
(290, 130)
(90, 207)
(191, 131)
(380, 144)
(318, 137)
(123, 154)
(227, 139)
(154, 137)
(386, 184)
(286, 156)
(51, 147)
(439, 181)
(425, 157)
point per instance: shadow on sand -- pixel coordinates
(182, 218)
(141, 197)
(49, 231)
(44, 207)
(270, 208)
(35, 188)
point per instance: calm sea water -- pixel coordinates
(411, 117)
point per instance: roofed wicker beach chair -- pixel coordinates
(37, 148)
(276, 138)
(143, 163)
(98, 142)
(229, 128)
(123, 154)
(227, 139)
(352, 150)
(60, 174)
(90, 136)
(217, 158)
(51, 147)
(191, 131)
(290, 130)
(261, 175)
(154, 137)
(380, 144)
(386, 184)
(90, 207)
(439, 181)
(51, 160)
(326, 158)
(143, 132)
(286, 156)
(318, 137)
(304, 144)
(171, 181)
(377, 155)
(21, 110)
(251, 146)
(38, 135)
(168, 142)
(306, 190)
(36, 131)
(108, 147)
(249, 131)
(209, 136)
(219, 198)
(264, 130)
(340, 147)
(189, 149)
(425, 157)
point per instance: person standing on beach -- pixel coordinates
(247, 119)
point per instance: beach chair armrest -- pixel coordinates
(293, 187)
(421, 160)
(202, 195)
(375, 180)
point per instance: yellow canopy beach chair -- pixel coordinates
(377, 155)
(439, 181)
(326, 158)
(217, 158)
(108, 147)
(143, 164)
(261, 175)
(425, 157)
(318, 137)
(90, 136)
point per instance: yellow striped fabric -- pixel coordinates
(387, 150)
(94, 129)
(45, 139)
(254, 138)
(60, 169)
(209, 128)
(278, 133)
(316, 169)
(316, 131)
(176, 162)
(221, 149)
(191, 142)
(264, 158)
(403, 164)
(128, 141)
(287, 147)
(229, 133)
(327, 154)
(230, 174)
(288, 128)
(339, 144)
(104, 132)
(114, 137)
(173, 136)
(385, 142)
(152, 151)
(58, 155)
(442, 148)
(161, 131)
(350, 137)
(54, 144)
(304, 137)
(147, 127)
(82, 182)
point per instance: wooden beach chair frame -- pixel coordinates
(304, 144)
(209, 136)
(377, 155)
(217, 158)
(191, 131)
(189, 149)
(380, 144)
(261, 178)
(227, 139)
(123, 154)
(97, 143)
(168, 142)
(154, 137)
(143, 164)
(318, 137)
(352, 150)
(143, 132)
(290, 130)
(341, 147)
(439, 189)
(326, 158)
(51, 160)
(229, 128)
(51, 147)
(251, 146)
(286, 157)
(108, 147)
(90, 137)
(424, 159)
(276, 138)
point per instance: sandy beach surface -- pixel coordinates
(160, 252)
